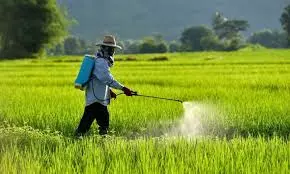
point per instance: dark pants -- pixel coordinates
(94, 111)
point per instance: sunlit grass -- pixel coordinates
(249, 92)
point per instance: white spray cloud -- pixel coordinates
(190, 124)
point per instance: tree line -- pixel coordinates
(223, 35)
(33, 28)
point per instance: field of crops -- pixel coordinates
(236, 118)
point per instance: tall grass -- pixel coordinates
(247, 132)
(36, 152)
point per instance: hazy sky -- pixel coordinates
(138, 18)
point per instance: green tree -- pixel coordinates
(285, 21)
(269, 39)
(191, 38)
(28, 27)
(148, 45)
(234, 43)
(174, 46)
(217, 20)
(212, 43)
(153, 45)
(83, 46)
(161, 47)
(160, 44)
(57, 50)
(72, 46)
(132, 46)
(228, 29)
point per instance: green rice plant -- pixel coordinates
(244, 128)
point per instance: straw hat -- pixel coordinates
(110, 41)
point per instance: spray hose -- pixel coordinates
(148, 96)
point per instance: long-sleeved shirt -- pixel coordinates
(98, 89)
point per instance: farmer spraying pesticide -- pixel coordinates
(96, 79)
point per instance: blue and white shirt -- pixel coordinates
(98, 89)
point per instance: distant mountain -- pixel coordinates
(134, 19)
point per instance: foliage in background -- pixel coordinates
(285, 21)
(224, 36)
(227, 29)
(269, 38)
(191, 37)
(27, 27)
(174, 46)
(211, 43)
(131, 46)
(154, 44)
(72, 46)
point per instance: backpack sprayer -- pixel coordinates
(85, 72)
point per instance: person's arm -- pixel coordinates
(102, 72)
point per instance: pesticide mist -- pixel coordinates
(190, 124)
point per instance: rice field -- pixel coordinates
(236, 118)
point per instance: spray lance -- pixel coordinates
(134, 93)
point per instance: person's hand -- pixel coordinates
(127, 91)
(113, 95)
